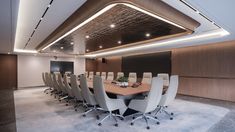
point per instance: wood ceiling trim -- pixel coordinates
(91, 7)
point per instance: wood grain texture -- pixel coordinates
(8, 82)
(212, 61)
(222, 89)
(206, 71)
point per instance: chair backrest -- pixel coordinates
(119, 74)
(77, 92)
(165, 78)
(155, 94)
(44, 79)
(61, 84)
(91, 75)
(48, 80)
(132, 77)
(86, 93)
(110, 76)
(147, 78)
(55, 82)
(100, 94)
(97, 73)
(103, 75)
(171, 91)
(67, 86)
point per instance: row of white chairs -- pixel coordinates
(72, 92)
(147, 76)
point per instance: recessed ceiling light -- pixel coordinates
(112, 25)
(87, 36)
(54, 51)
(100, 46)
(49, 6)
(87, 50)
(119, 42)
(72, 43)
(41, 18)
(61, 47)
(147, 34)
(8, 53)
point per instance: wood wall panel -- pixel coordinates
(206, 71)
(8, 82)
(213, 61)
(222, 89)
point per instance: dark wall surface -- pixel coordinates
(155, 63)
(8, 82)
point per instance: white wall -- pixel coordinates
(30, 68)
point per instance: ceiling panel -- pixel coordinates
(30, 12)
(58, 12)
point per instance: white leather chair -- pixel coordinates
(97, 73)
(77, 92)
(110, 76)
(91, 75)
(45, 83)
(88, 97)
(169, 96)
(132, 77)
(105, 102)
(147, 78)
(68, 88)
(119, 74)
(165, 78)
(150, 103)
(103, 75)
(61, 84)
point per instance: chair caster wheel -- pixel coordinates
(116, 125)
(121, 119)
(171, 118)
(99, 124)
(155, 117)
(132, 123)
(148, 127)
(84, 115)
(133, 117)
(60, 100)
(76, 110)
(97, 117)
(172, 113)
(158, 123)
(67, 104)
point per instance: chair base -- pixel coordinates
(162, 109)
(113, 116)
(145, 117)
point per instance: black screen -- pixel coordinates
(155, 63)
(62, 66)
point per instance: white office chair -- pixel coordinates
(77, 92)
(119, 74)
(132, 77)
(110, 76)
(91, 75)
(165, 78)
(68, 88)
(147, 78)
(61, 84)
(45, 83)
(105, 102)
(88, 97)
(103, 75)
(148, 104)
(169, 96)
(97, 73)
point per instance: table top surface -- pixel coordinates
(115, 89)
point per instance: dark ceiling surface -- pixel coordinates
(130, 27)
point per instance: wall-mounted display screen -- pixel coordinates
(62, 67)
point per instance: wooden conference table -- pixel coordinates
(117, 90)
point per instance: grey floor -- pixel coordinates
(37, 112)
